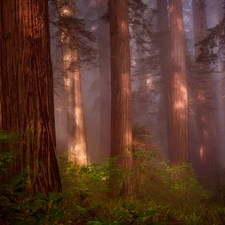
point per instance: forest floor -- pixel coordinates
(163, 195)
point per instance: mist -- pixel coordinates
(148, 92)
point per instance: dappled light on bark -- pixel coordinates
(205, 106)
(121, 115)
(178, 149)
(77, 147)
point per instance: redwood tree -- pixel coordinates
(165, 63)
(26, 91)
(77, 147)
(206, 122)
(178, 145)
(121, 115)
(104, 79)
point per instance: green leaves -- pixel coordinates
(129, 207)
(5, 159)
(22, 208)
(131, 215)
(18, 185)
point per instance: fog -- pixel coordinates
(148, 104)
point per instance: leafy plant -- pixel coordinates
(22, 208)
(5, 159)
(130, 215)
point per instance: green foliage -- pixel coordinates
(163, 194)
(8, 141)
(183, 183)
(15, 139)
(6, 137)
(130, 215)
(17, 207)
(5, 159)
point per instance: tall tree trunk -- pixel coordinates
(207, 129)
(103, 47)
(121, 115)
(215, 14)
(163, 23)
(179, 99)
(77, 146)
(26, 90)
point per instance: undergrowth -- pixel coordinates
(163, 194)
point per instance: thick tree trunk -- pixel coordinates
(26, 90)
(121, 115)
(179, 99)
(77, 146)
(104, 80)
(207, 128)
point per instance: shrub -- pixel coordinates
(17, 207)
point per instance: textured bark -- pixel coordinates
(179, 99)
(77, 146)
(206, 120)
(26, 90)
(121, 121)
(103, 47)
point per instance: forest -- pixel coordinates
(112, 112)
